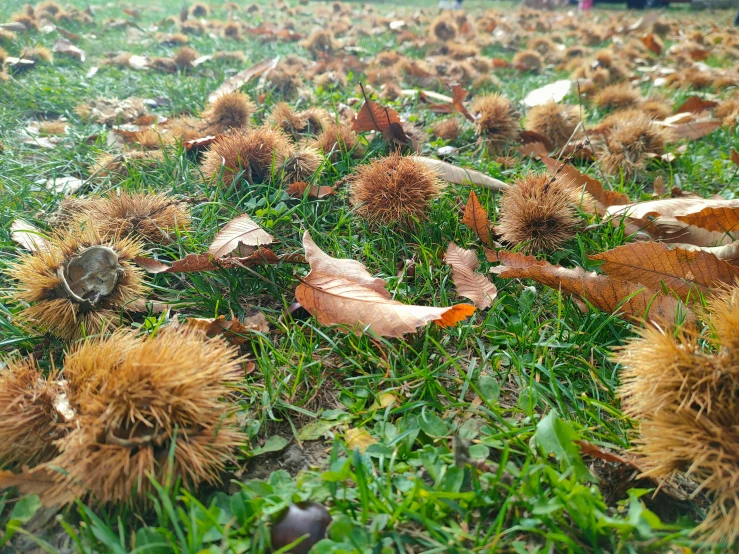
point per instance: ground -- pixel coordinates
(435, 442)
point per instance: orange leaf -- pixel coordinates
(735, 156)
(233, 330)
(297, 189)
(719, 219)
(696, 104)
(458, 96)
(603, 198)
(652, 43)
(341, 291)
(476, 218)
(631, 299)
(374, 117)
(654, 264)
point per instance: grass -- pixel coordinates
(472, 426)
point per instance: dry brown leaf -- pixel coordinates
(374, 117)
(661, 220)
(297, 189)
(719, 219)
(43, 481)
(66, 48)
(193, 263)
(341, 291)
(242, 77)
(553, 92)
(603, 198)
(696, 104)
(232, 329)
(28, 236)
(474, 286)
(735, 156)
(692, 130)
(651, 42)
(729, 252)
(655, 265)
(476, 218)
(459, 176)
(659, 186)
(240, 230)
(631, 299)
(200, 143)
(458, 96)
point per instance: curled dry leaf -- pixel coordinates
(28, 236)
(651, 42)
(66, 48)
(341, 291)
(194, 263)
(729, 252)
(655, 265)
(633, 300)
(43, 481)
(459, 176)
(297, 189)
(232, 329)
(553, 92)
(691, 130)
(661, 220)
(476, 218)
(475, 286)
(696, 104)
(242, 77)
(458, 96)
(238, 231)
(603, 198)
(722, 220)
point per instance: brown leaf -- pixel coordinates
(297, 189)
(719, 219)
(631, 299)
(459, 176)
(193, 263)
(200, 143)
(242, 77)
(534, 149)
(603, 198)
(43, 481)
(66, 48)
(240, 230)
(735, 156)
(458, 96)
(232, 329)
(474, 286)
(28, 236)
(659, 186)
(341, 291)
(374, 117)
(588, 449)
(729, 252)
(655, 265)
(476, 218)
(699, 54)
(651, 42)
(660, 219)
(692, 130)
(527, 137)
(696, 104)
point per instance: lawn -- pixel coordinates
(501, 432)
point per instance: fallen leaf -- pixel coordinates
(476, 218)
(651, 42)
(297, 189)
(237, 81)
(232, 329)
(374, 117)
(458, 96)
(696, 104)
(659, 186)
(735, 156)
(460, 176)
(719, 219)
(66, 48)
(43, 481)
(138, 62)
(66, 185)
(729, 252)
(13, 27)
(193, 263)
(358, 439)
(594, 451)
(341, 291)
(655, 265)
(693, 130)
(474, 286)
(28, 236)
(197, 144)
(603, 198)
(553, 92)
(633, 300)
(240, 230)
(644, 22)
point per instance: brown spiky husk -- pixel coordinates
(621, 95)
(443, 28)
(496, 121)
(284, 118)
(539, 213)
(3, 55)
(38, 54)
(151, 217)
(394, 189)
(232, 30)
(7, 37)
(51, 309)
(447, 129)
(303, 165)
(230, 111)
(139, 402)
(317, 120)
(336, 139)
(118, 165)
(253, 152)
(555, 121)
(192, 27)
(629, 143)
(321, 42)
(686, 396)
(199, 9)
(184, 57)
(29, 410)
(528, 60)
